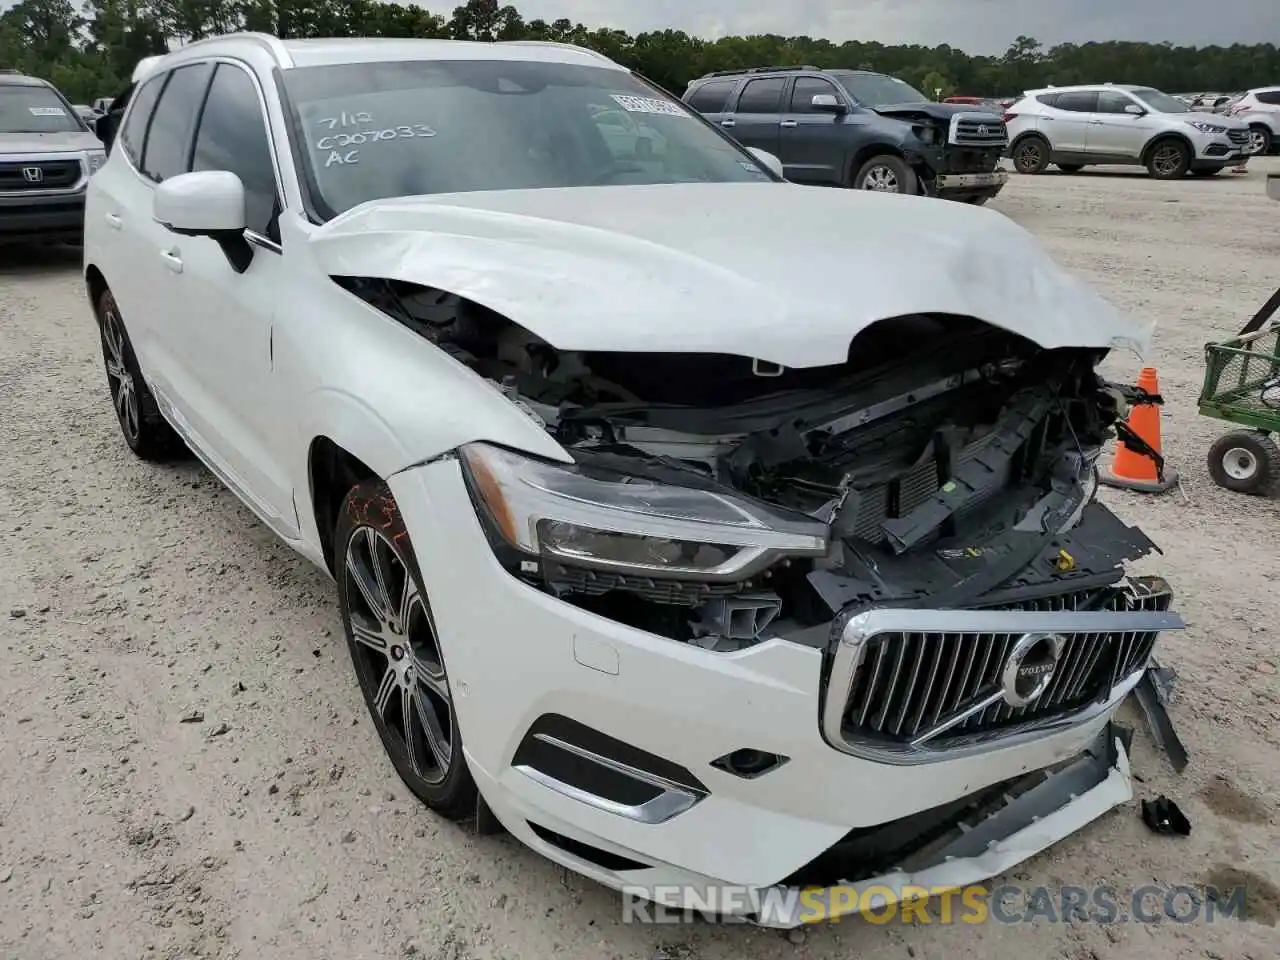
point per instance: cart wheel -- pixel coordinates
(1246, 461)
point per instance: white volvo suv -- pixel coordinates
(1074, 127)
(696, 527)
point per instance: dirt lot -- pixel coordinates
(135, 597)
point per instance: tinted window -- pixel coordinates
(1078, 101)
(34, 109)
(805, 89)
(135, 128)
(711, 97)
(762, 96)
(1109, 101)
(169, 139)
(233, 136)
(373, 130)
(1049, 99)
(1268, 96)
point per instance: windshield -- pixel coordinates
(369, 131)
(877, 90)
(26, 109)
(1160, 102)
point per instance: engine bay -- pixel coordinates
(953, 463)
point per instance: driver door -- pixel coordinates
(1115, 133)
(812, 144)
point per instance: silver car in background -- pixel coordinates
(1074, 127)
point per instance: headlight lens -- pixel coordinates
(627, 523)
(1206, 127)
(96, 159)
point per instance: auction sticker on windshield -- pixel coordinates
(47, 111)
(647, 105)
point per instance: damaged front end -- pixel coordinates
(923, 514)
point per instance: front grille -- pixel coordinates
(52, 175)
(978, 132)
(1239, 137)
(909, 685)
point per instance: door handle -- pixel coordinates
(1095, 121)
(787, 123)
(114, 221)
(171, 260)
(727, 123)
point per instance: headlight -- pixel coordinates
(1206, 127)
(96, 159)
(926, 134)
(629, 524)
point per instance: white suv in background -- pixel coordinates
(1260, 109)
(1074, 127)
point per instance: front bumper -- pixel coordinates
(970, 181)
(49, 217)
(517, 655)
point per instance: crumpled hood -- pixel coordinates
(938, 111)
(48, 142)
(779, 272)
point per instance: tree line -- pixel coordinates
(89, 50)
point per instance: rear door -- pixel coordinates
(1113, 132)
(1066, 123)
(711, 99)
(757, 115)
(812, 143)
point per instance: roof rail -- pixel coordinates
(742, 70)
(271, 43)
(556, 43)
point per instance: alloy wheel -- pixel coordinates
(124, 391)
(1029, 156)
(881, 180)
(398, 652)
(1257, 141)
(1167, 159)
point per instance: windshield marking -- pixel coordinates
(633, 104)
(47, 111)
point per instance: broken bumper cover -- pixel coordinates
(655, 716)
(971, 181)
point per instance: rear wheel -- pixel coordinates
(1246, 461)
(886, 174)
(396, 651)
(1168, 160)
(1259, 140)
(146, 432)
(1031, 155)
(1070, 167)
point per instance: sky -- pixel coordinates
(974, 26)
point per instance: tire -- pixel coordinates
(145, 430)
(1260, 139)
(886, 174)
(1168, 159)
(1246, 461)
(1207, 171)
(1031, 154)
(396, 652)
(1070, 167)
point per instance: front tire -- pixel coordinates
(886, 174)
(1168, 160)
(145, 430)
(396, 651)
(1245, 461)
(1031, 155)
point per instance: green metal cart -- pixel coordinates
(1242, 386)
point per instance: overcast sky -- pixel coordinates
(975, 26)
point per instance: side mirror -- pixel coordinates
(1136, 110)
(827, 103)
(209, 203)
(768, 159)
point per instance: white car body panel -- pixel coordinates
(769, 294)
(253, 368)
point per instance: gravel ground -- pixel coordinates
(186, 768)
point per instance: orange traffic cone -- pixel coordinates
(1131, 470)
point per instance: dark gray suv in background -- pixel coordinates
(854, 128)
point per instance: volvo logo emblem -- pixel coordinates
(982, 130)
(32, 174)
(1031, 667)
